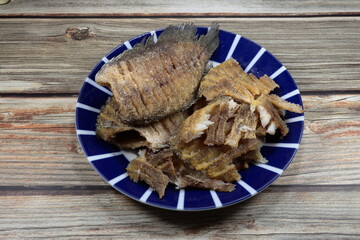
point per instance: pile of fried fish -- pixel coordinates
(196, 125)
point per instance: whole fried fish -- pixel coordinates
(155, 80)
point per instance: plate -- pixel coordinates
(111, 162)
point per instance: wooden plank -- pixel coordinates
(182, 8)
(38, 145)
(286, 213)
(45, 56)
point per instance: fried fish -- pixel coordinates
(155, 80)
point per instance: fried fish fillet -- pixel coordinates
(156, 80)
(155, 136)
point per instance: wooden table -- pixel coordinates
(49, 190)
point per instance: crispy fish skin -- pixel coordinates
(153, 81)
(155, 136)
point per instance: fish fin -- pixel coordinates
(138, 48)
(182, 33)
(210, 41)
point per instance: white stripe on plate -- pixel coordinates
(153, 33)
(102, 156)
(146, 195)
(181, 200)
(215, 198)
(93, 83)
(233, 46)
(255, 59)
(290, 94)
(105, 59)
(270, 168)
(114, 181)
(215, 63)
(295, 119)
(85, 132)
(127, 45)
(278, 72)
(129, 155)
(284, 145)
(247, 187)
(86, 107)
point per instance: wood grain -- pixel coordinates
(38, 145)
(43, 56)
(275, 213)
(177, 8)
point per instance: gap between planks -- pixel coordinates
(72, 95)
(95, 189)
(180, 15)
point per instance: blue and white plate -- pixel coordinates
(111, 162)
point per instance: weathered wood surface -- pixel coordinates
(48, 189)
(42, 56)
(38, 145)
(177, 8)
(277, 213)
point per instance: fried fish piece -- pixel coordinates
(195, 125)
(139, 169)
(158, 169)
(215, 161)
(269, 116)
(243, 126)
(155, 136)
(155, 80)
(229, 79)
(251, 157)
(283, 104)
(223, 80)
(222, 122)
